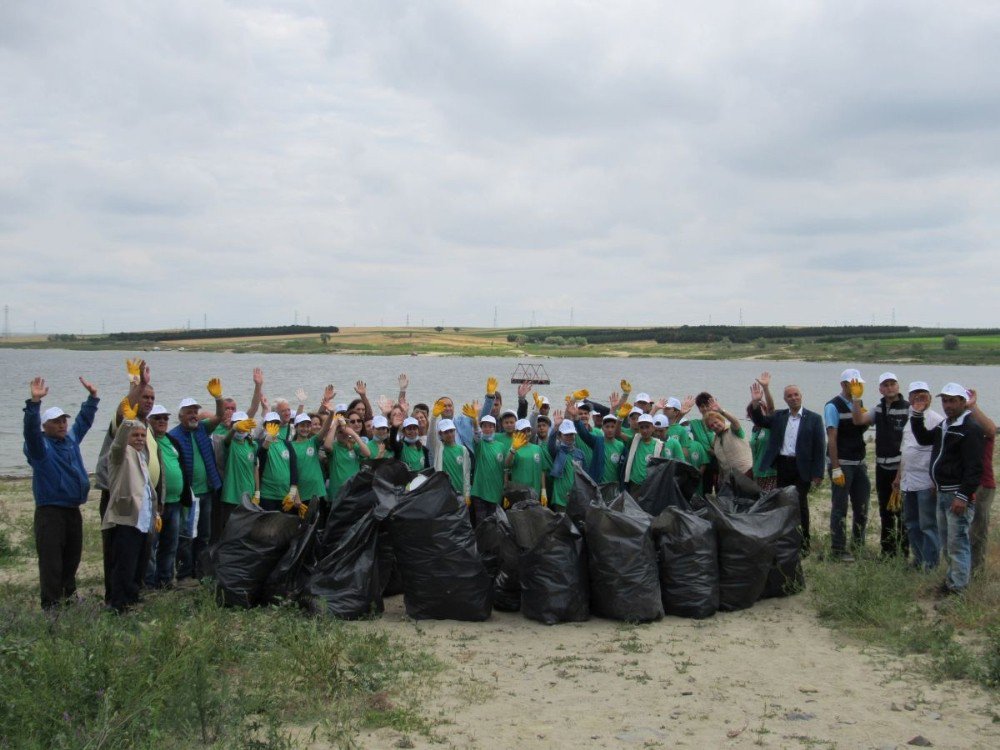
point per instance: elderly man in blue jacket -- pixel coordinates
(60, 485)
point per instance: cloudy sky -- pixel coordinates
(637, 162)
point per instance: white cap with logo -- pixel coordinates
(566, 427)
(886, 376)
(851, 374)
(53, 412)
(186, 402)
(954, 389)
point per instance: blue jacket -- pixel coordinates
(204, 442)
(59, 476)
(810, 443)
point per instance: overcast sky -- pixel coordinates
(637, 162)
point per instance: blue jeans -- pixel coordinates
(920, 515)
(163, 555)
(189, 550)
(857, 490)
(957, 547)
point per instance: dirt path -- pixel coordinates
(771, 676)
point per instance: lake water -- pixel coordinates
(179, 374)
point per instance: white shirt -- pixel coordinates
(916, 466)
(791, 433)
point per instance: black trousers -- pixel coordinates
(59, 543)
(127, 544)
(106, 546)
(788, 476)
(894, 539)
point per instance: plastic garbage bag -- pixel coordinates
(624, 580)
(285, 581)
(495, 541)
(668, 483)
(688, 557)
(786, 576)
(552, 565)
(253, 542)
(584, 493)
(443, 575)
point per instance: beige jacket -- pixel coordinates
(129, 476)
(733, 453)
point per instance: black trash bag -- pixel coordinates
(391, 478)
(354, 500)
(584, 493)
(688, 557)
(746, 551)
(252, 543)
(495, 541)
(388, 569)
(552, 565)
(786, 576)
(739, 487)
(624, 580)
(668, 484)
(345, 584)
(443, 575)
(288, 576)
(517, 493)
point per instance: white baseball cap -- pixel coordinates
(445, 425)
(674, 403)
(545, 401)
(186, 402)
(272, 416)
(660, 421)
(609, 417)
(53, 412)
(488, 418)
(583, 405)
(645, 418)
(410, 422)
(379, 422)
(522, 424)
(508, 413)
(643, 397)
(954, 389)
(851, 374)
(567, 428)
(636, 410)
(303, 417)
(340, 408)
(887, 376)
(159, 409)
(238, 416)
(919, 385)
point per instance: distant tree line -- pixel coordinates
(704, 334)
(217, 333)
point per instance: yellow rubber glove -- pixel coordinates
(129, 411)
(538, 400)
(470, 411)
(544, 498)
(303, 509)
(132, 367)
(837, 477)
(506, 504)
(215, 388)
(624, 410)
(518, 441)
(245, 425)
(581, 394)
(895, 504)
(288, 503)
(468, 501)
(272, 429)
(491, 385)
(438, 409)
(625, 386)
(256, 497)
(857, 389)
(158, 524)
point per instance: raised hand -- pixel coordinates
(404, 405)
(258, 377)
(214, 388)
(404, 382)
(581, 394)
(661, 404)
(134, 368)
(972, 398)
(613, 400)
(624, 410)
(857, 389)
(272, 429)
(687, 404)
(518, 441)
(571, 411)
(920, 401)
(557, 418)
(491, 385)
(301, 395)
(764, 379)
(714, 405)
(538, 400)
(245, 425)
(129, 411)
(438, 409)
(38, 389)
(470, 411)
(756, 391)
(523, 390)
(265, 405)
(91, 388)
(625, 386)
(385, 405)
(361, 388)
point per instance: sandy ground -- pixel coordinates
(771, 676)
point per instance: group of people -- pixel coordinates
(167, 492)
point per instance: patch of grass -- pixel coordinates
(181, 671)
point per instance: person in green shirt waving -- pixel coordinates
(306, 447)
(176, 484)
(614, 449)
(240, 476)
(454, 459)
(346, 451)
(528, 462)
(409, 449)
(487, 483)
(277, 469)
(567, 459)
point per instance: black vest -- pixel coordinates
(850, 437)
(890, 421)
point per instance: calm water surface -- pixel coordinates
(179, 374)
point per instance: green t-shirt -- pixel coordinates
(284, 431)
(488, 481)
(173, 476)
(311, 480)
(413, 456)
(563, 485)
(628, 433)
(613, 456)
(199, 475)
(344, 464)
(529, 463)
(453, 459)
(241, 461)
(672, 448)
(276, 477)
(588, 452)
(220, 429)
(758, 445)
(643, 452)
